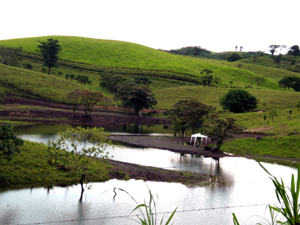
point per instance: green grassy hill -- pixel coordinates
(170, 73)
(121, 55)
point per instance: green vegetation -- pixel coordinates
(238, 101)
(49, 51)
(31, 166)
(288, 201)
(9, 142)
(172, 77)
(147, 211)
(70, 152)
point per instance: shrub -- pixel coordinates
(238, 101)
(27, 66)
(234, 57)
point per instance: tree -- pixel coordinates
(11, 56)
(220, 129)
(207, 79)
(278, 59)
(272, 114)
(77, 149)
(238, 101)
(49, 51)
(294, 51)
(89, 100)
(187, 114)
(74, 97)
(290, 82)
(234, 57)
(106, 102)
(142, 81)
(197, 50)
(138, 98)
(273, 48)
(110, 82)
(9, 142)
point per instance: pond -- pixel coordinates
(246, 192)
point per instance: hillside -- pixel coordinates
(121, 55)
(173, 76)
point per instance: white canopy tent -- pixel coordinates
(198, 135)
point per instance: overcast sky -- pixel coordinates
(216, 25)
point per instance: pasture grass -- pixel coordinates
(268, 99)
(37, 84)
(31, 167)
(282, 147)
(118, 54)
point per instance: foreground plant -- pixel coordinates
(288, 198)
(147, 211)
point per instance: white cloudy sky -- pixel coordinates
(217, 25)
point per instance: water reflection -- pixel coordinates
(246, 185)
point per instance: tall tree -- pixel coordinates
(49, 51)
(10, 56)
(273, 48)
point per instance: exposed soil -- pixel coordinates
(53, 113)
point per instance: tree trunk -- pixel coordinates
(49, 70)
(81, 182)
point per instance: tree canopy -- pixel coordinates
(234, 57)
(9, 142)
(188, 114)
(138, 98)
(220, 129)
(290, 82)
(49, 51)
(11, 56)
(238, 101)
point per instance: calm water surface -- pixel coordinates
(245, 193)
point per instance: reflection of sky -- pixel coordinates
(245, 184)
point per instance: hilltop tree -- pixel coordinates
(188, 114)
(49, 51)
(197, 50)
(273, 48)
(238, 101)
(9, 142)
(294, 50)
(11, 56)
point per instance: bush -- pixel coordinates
(27, 66)
(238, 101)
(234, 57)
